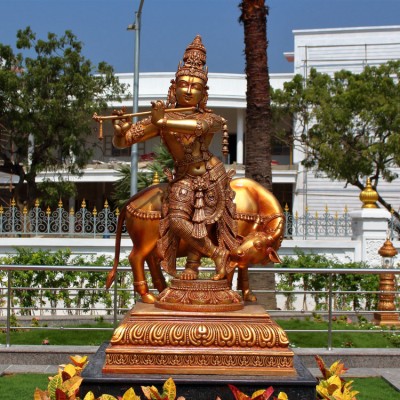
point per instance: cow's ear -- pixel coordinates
(273, 256)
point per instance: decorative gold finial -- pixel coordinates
(369, 196)
(156, 179)
(387, 249)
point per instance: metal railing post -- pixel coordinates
(8, 326)
(330, 311)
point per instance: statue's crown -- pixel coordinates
(194, 61)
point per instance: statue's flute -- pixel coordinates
(101, 118)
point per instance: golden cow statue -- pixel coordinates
(260, 231)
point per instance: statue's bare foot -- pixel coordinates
(189, 274)
(220, 264)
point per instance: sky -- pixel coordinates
(168, 26)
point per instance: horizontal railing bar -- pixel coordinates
(63, 268)
(321, 312)
(69, 328)
(342, 331)
(87, 310)
(336, 312)
(367, 271)
(274, 291)
(129, 289)
(59, 328)
(72, 290)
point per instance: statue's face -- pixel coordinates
(189, 91)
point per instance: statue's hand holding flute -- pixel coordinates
(123, 121)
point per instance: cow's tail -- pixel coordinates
(112, 273)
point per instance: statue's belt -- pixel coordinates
(249, 217)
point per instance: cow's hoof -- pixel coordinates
(148, 298)
(219, 276)
(248, 295)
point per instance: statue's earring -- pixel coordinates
(203, 102)
(171, 99)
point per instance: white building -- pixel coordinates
(327, 50)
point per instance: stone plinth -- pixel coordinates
(370, 226)
(156, 341)
(300, 386)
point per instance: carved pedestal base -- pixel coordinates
(199, 295)
(386, 319)
(151, 340)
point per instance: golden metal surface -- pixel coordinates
(387, 250)
(369, 196)
(198, 326)
(199, 295)
(150, 340)
(387, 288)
(196, 211)
(199, 198)
(259, 219)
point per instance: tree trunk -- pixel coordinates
(258, 115)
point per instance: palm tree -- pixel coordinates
(161, 161)
(258, 116)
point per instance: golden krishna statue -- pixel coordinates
(200, 212)
(199, 195)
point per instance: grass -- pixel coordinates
(22, 386)
(339, 340)
(297, 339)
(81, 337)
(374, 389)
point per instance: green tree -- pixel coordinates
(350, 123)
(47, 98)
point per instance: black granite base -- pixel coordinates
(195, 387)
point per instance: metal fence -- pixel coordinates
(8, 290)
(317, 225)
(61, 222)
